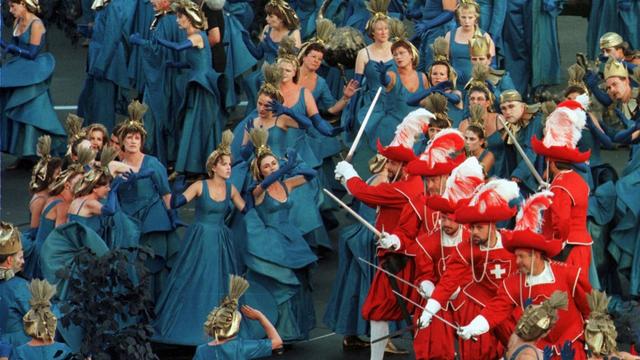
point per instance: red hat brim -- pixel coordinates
(559, 153)
(527, 239)
(441, 204)
(421, 168)
(466, 214)
(396, 153)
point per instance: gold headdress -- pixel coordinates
(40, 322)
(614, 67)
(291, 19)
(440, 49)
(135, 123)
(538, 319)
(272, 78)
(479, 46)
(378, 10)
(9, 239)
(377, 163)
(192, 11)
(73, 127)
(466, 3)
(287, 51)
(33, 6)
(576, 77)
(224, 148)
(91, 178)
(510, 95)
(477, 112)
(479, 77)
(325, 28)
(259, 138)
(223, 321)
(398, 34)
(85, 156)
(600, 332)
(39, 173)
(610, 39)
(437, 104)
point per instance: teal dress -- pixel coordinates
(239, 59)
(117, 231)
(431, 10)
(460, 58)
(545, 49)
(492, 14)
(279, 258)
(606, 17)
(142, 200)
(26, 109)
(194, 288)
(55, 351)
(142, 19)
(203, 118)
(14, 304)
(28, 240)
(234, 349)
(32, 268)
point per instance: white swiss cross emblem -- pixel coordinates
(498, 271)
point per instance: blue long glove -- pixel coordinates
(137, 39)
(414, 100)
(131, 176)
(324, 127)
(592, 80)
(279, 109)
(603, 138)
(308, 173)
(451, 97)
(184, 45)
(84, 30)
(382, 68)
(624, 5)
(177, 197)
(256, 51)
(414, 13)
(547, 353)
(29, 52)
(425, 25)
(625, 136)
(109, 208)
(567, 352)
(249, 202)
(284, 169)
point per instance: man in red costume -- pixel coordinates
(478, 266)
(431, 254)
(537, 278)
(566, 219)
(390, 198)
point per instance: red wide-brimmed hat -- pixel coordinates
(401, 147)
(526, 234)
(460, 185)
(562, 131)
(443, 154)
(495, 201)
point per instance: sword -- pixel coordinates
(392, 275)
(446, 322)
(525, 158)
(353, 213)
(352, 150)
(394, 334)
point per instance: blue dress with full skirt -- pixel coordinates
(55, 351)
(234, 349)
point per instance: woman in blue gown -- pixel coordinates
(282, 22)
(142, 19)
(147, 199)
(207, 257)
(468, 16)
(42, 175)
(277, 255)
(107, 84)
(436, 18)
(40, 324)
(201, 112)
(26, 110)
(159, 67)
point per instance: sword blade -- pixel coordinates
(353, 213)
(394, 334)
(391, 274)
(524, 156)
(352, 150)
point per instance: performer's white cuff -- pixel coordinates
(433, 306)
(479, 325)
(427, 288)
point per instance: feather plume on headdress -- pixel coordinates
(397, 30)
(39, 172)
(136, 111)
(444, 146)
(564, 126)
(495, 193)
(476, 118)
(530, 214)
(192, 11)
(223, 148)
(287, 49)
(479, 78)
(73, 127)
(464, 180)
(40, 322)
(437, 104)
(411, 127)
(600, 332)
(259, 138)
(378, 10)
(224, 320)
(576, 76)
(325, 28)
(440, 48)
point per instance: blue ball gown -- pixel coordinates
(234, 349)
(239, 59)
(26, 110)
(142, 200)
(53, 351)
(492, 14)
(431, 10)
(117, 231)
(28, 240)
(161, 88)
(107, 82)
(142, 19)
(14, 304)
(32, 259)
(203, 117)
(605, 16)
(279, 258)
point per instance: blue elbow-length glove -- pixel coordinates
(603, 138)
(177, 197)
(324, 127)
(284, 169)
(425, 25)
(109, 208)
(184, 45)
(625, 136)
(414, 100)
(137, 39)
(382, 69)
(279, 109)
(592, 80)
(28, 52)
(256, 51)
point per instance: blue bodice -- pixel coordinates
(209, 211)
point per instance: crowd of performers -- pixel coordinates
(488, 222)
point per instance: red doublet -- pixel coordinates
(479, 286)
(570, 325)
(437, 340)
(391, 198)
(566, 218)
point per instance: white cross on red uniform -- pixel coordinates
(498, 271)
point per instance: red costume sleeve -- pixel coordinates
(425, 264)
(382, 194)
(561, 213)
(502, 305)
(458, 274)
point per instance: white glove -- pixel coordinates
(478, 326)
(390, 241)
(455, 294)
(433, 306)
(344, 170)
(426, 289)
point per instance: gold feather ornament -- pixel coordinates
(224, 321)
(538, 319)
(600, 332)
(40, 322)
(224, 148)
(39, 172)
